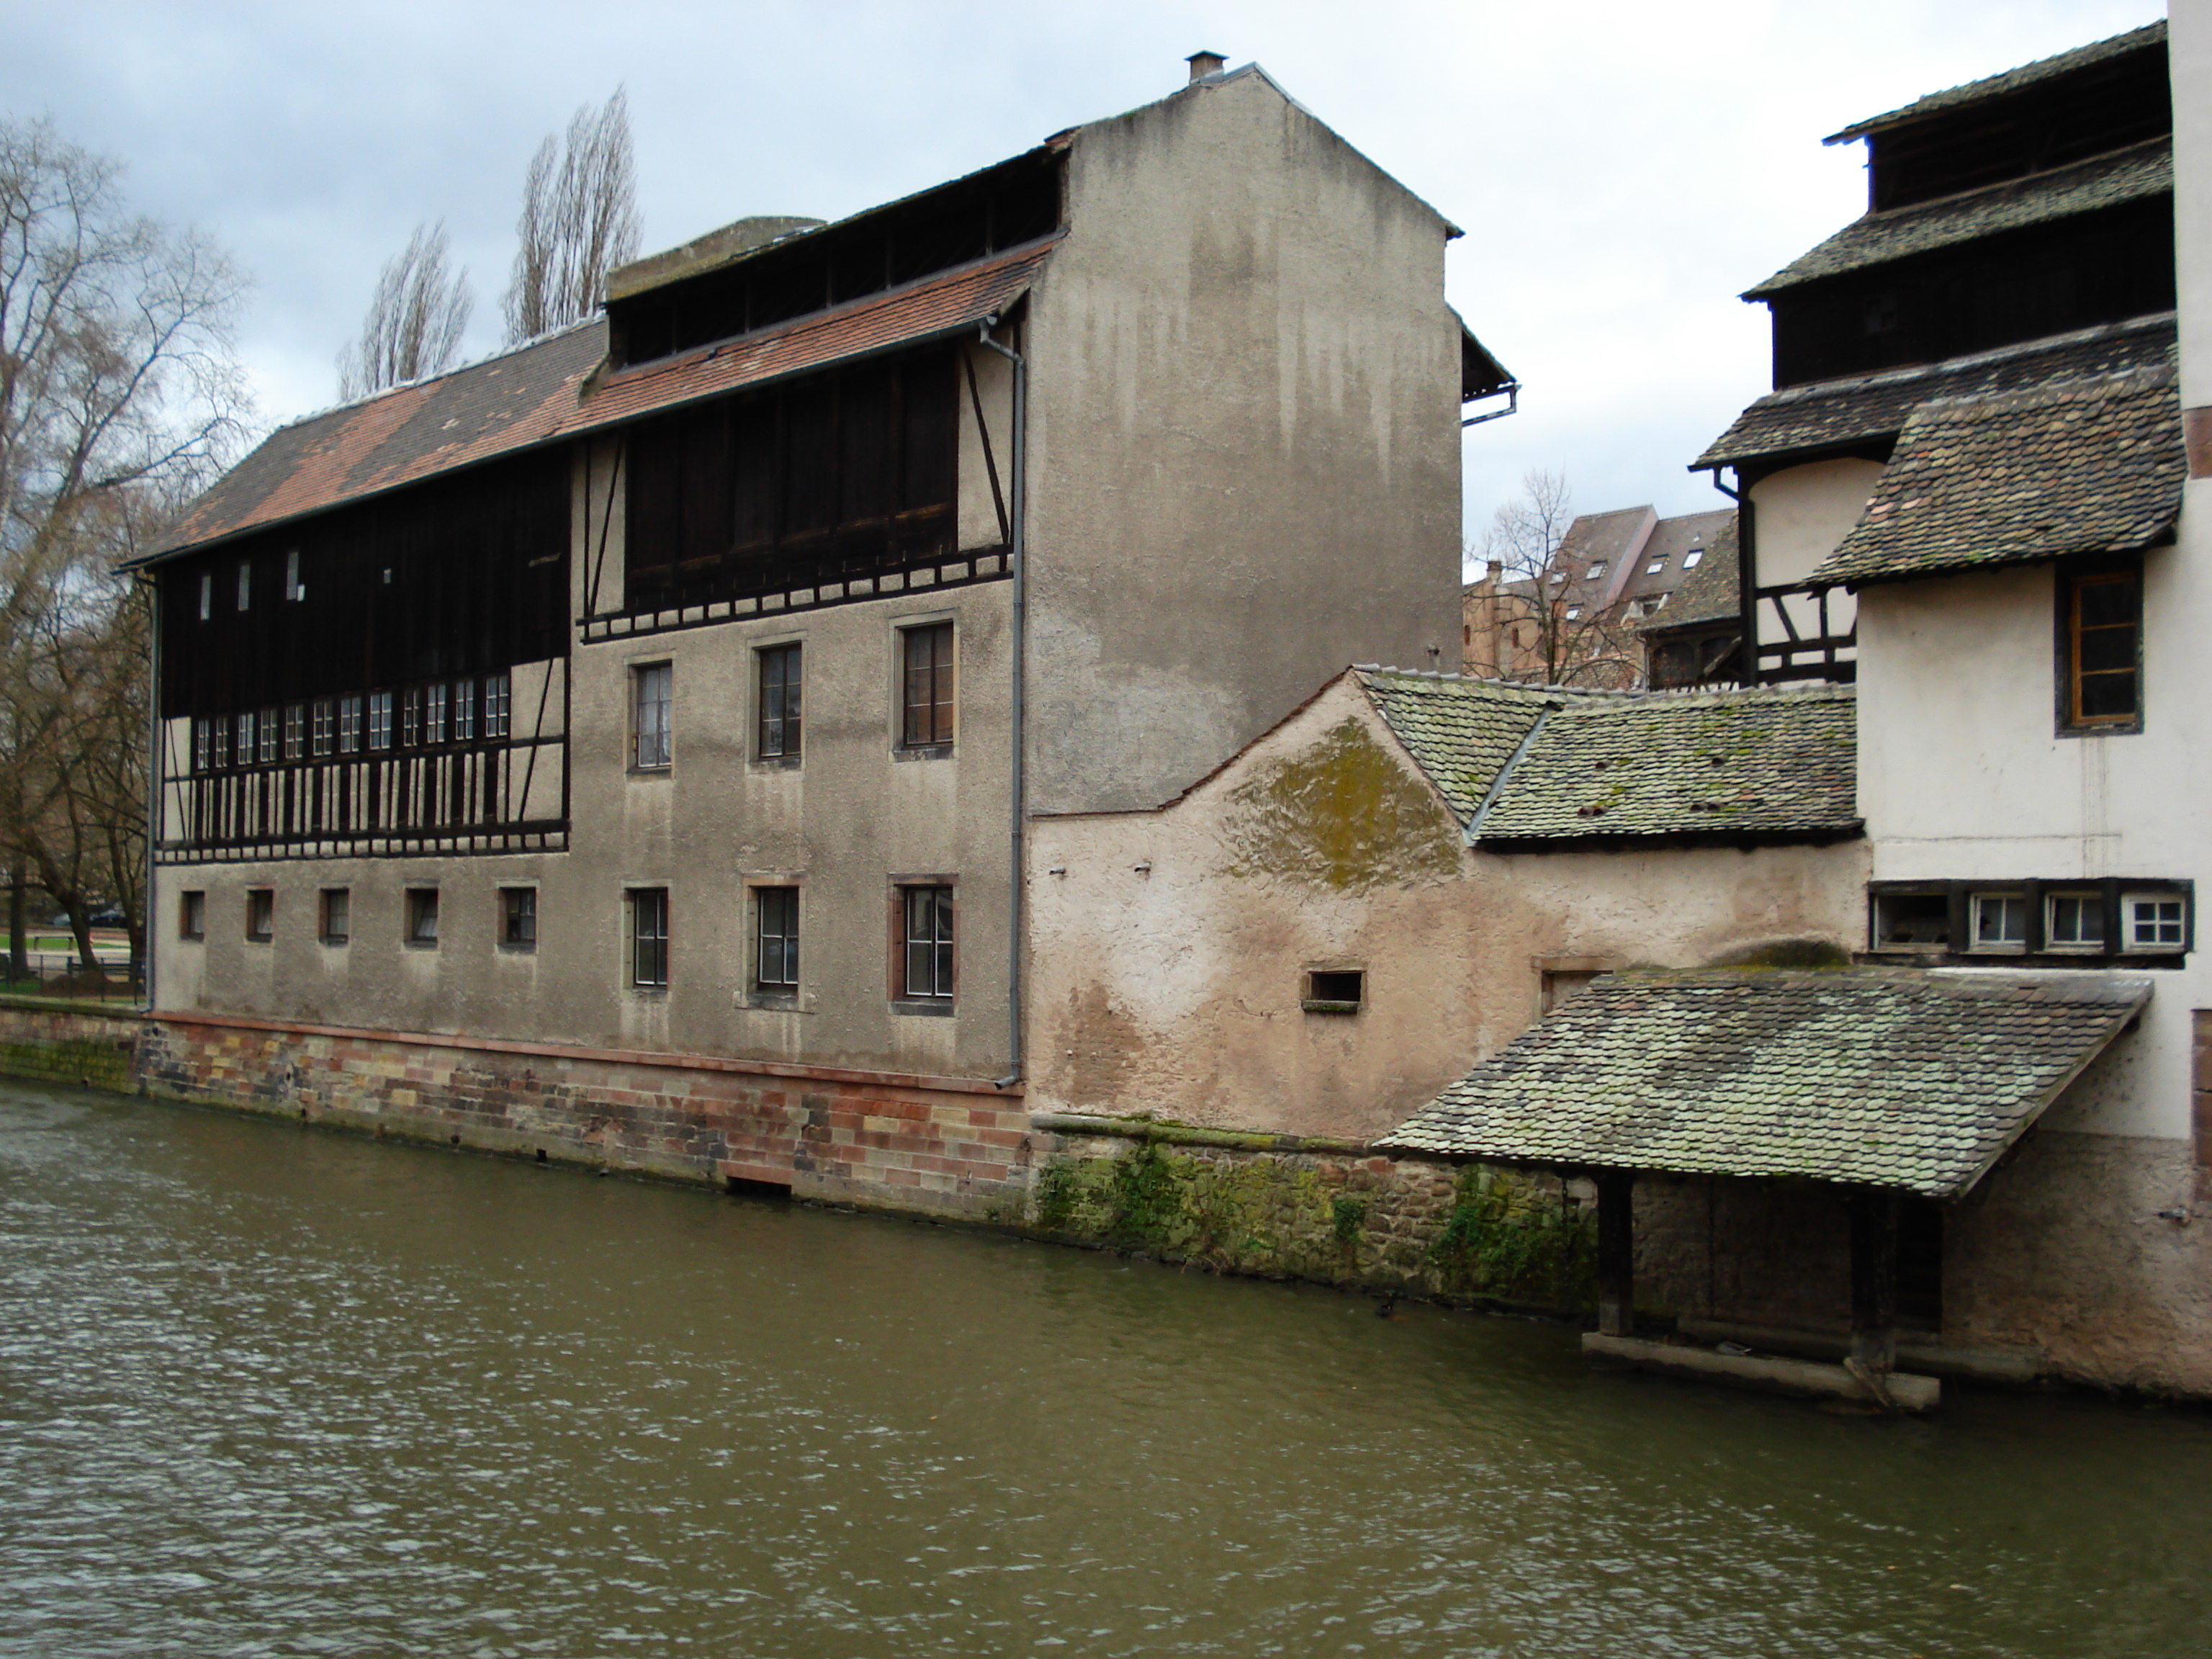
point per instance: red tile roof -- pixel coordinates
(539, 395)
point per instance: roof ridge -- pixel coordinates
(598, 321)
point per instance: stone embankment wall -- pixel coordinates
(56, 1043)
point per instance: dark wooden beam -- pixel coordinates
(1616, 1252)
(1873, 1278)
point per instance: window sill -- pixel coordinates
(421, 944)
(334, 944)
(776, 762)
(933, 1007)
(506, 949)
(781, 1001)
(643, 772)
(1313, 1006)
(939, 751)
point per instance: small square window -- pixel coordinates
(652, 691)
(260, 914)
(422, 915)
(1999, 921)
(518, 918)
(1655, 566)
(929, 696)
(1911, 921)
(1690, 559)
(775, 927)
(2074, 921)
(1574, 613)
(1557, 577)
(1334, 991)
(334, 926)
(781, 671)
(2155, 921)
(1595, 571)
(926, 963)
(648, 937)
(191, 916)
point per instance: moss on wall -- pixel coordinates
(1346, 814)
(1487, 1236)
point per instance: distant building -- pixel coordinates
(1580, 617)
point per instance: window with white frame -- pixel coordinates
(1999, 921)
(2154, 922)
(652, 704)
(2074, 921)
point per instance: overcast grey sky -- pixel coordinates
(1623, 168)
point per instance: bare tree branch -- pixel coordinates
(1531, 616)
(578, 220)
(415, 320)
(119, 398)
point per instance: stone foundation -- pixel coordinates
(93, 1047)
(936, 1144)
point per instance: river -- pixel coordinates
(266, 1390)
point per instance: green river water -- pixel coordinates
(269, 1391)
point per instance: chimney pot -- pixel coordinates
(1203, 64)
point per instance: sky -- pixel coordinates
(1622, 170)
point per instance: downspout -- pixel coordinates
(1018, 710)
(1746, 579)
(152, 588)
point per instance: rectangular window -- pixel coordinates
(260, 913)
(380, 719)
(775, 927)
(350, 726)
(411, 717)
(326, 720)
(926, 965)
(2154, 922)
(2074, 921)
(648, 937)
(652, 698)
(242, 734)
(781, 676)
(293, 590)
(929, 693)
(268, 729)
(1655, 566)
(497, 693)
(296, 730)
(2100, 649)
(191, 916)
(1911, 921)
(1999, 921)
(1595, 571)
(464, 711)
(433, 714)
(422, 915)
(207, 596)
(518, 918)
(244, 586)
(1334, 990)
(203, 746)
(334, 923)
(1690, 559)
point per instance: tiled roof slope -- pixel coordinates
(1459, 730)
(1776, 762)
(2018, 477)
(2012, 81)
(1771, 762)
(2103, 181)
(1873, 408)
(538, 394)
(1708, 593)
(1916, 1082)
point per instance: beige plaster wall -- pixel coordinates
(1244, 437)
(2188, 58)
(1169, 946)
(1800, 515)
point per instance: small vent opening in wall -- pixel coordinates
(741, 1186)
(1334, 990)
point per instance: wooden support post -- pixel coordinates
(1616, 1253)
(1874, 1279)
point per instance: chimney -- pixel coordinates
(1203, 64)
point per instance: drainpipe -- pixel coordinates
(1018, 713)
(1747, 578)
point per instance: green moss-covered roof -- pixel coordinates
(2012, 81)
(1769, 762)
(1870, 410)
(1459, 730)
(1917, 1082)
(2016, 477)
(2104, 181)
(1773, 762)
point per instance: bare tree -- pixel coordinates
(578, 220)
(119, 397)
(415, 320)
(1535, 615)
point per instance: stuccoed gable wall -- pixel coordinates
(1169, 946)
